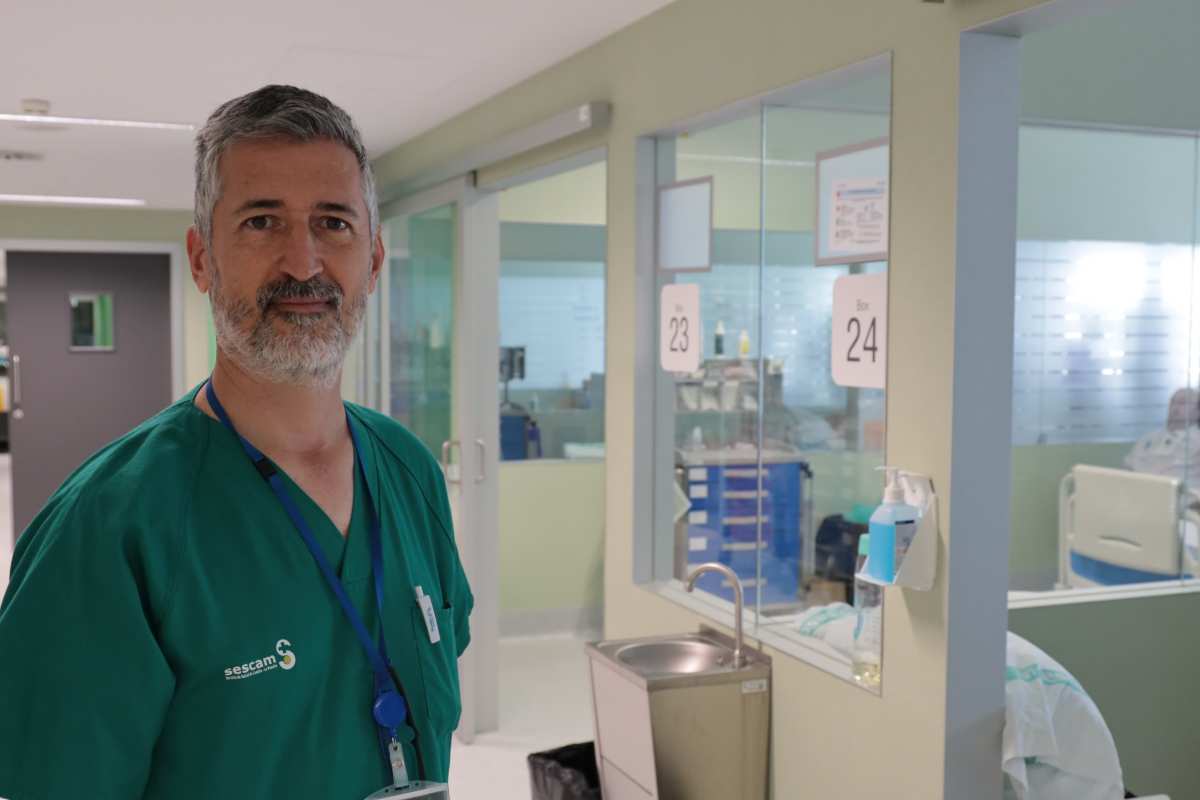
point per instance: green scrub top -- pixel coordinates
(167, 634)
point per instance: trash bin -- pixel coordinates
(567, 773)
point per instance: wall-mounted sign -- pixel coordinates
(680, 334)
(859, 355)
(852, 204)
(685, 223)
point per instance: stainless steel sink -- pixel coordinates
(683, 656)
(675, 718)
(682, 659)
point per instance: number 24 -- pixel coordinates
(868, 346)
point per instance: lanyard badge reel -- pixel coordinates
(390, 712)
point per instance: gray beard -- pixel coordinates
(308, 352)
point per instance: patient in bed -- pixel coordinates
(1175, 451)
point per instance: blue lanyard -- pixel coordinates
(389, 709)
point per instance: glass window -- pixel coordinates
(552, 245)
(763, 463)
(1105, 408)
(421, 284)
(91, 320)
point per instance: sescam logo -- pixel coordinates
(284, 659)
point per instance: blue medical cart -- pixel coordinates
(723, 516)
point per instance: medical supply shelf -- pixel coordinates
(726, 502)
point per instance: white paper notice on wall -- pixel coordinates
(858, 224)
(680, 333)
(852, 204)
(859, 355)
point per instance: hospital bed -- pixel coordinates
(1120, 527)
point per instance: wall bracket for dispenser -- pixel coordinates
(918, 568)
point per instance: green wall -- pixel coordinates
(1137, 659)
(551, 543)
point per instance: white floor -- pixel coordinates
(545, 702)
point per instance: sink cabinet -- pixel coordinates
(698, 736)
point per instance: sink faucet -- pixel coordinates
(738, 642)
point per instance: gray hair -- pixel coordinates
(284, 111)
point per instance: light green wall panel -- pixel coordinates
(551, 536)
(1137, 659)
(1106, 186)
(36, 222)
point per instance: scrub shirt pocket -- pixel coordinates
(439, 669)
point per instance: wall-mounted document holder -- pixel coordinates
(918, 568)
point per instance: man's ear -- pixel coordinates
(377, 256)
(198, 259)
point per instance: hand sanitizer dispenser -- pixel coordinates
(893, 527)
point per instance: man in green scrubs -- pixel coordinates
(167, 632)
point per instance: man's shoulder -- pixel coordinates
(134, 490)
(148, 465)
(399, 442)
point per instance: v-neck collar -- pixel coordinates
(350, 555)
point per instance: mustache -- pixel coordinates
(317, 288)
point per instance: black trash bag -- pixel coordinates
(567, 773)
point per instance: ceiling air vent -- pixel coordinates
(20, 155)
(36, 107)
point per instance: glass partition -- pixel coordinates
(1105, 408)
(552, 350)
(421, 285)
(765, 464)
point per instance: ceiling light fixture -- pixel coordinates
(46, 119)
(68, 200)
(35, 114)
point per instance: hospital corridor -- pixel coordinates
(635, 400)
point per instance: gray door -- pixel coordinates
(83, 381)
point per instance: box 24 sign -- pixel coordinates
(860, 331)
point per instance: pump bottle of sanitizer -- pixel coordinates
(892, 528)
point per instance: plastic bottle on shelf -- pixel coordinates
(719, 339)
(744, 344)
(867, 654)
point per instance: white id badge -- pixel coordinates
(431, 626)
(432, 791)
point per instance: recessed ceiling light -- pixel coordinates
(68, 200)
(46, 119)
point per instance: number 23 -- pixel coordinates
(679, 334)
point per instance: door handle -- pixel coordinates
(481, 473)
(448, 446)
(17, 411)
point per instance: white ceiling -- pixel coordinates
(399, 67)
